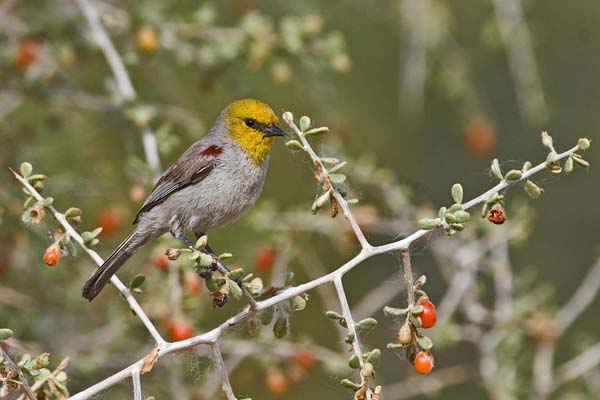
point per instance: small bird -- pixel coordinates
(214, 182)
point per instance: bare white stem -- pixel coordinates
(577, 366)
(137, 384)
(121, 76)
(581, 299)
(225, 384)
(542, 370)
(133, 304)
(339, 287)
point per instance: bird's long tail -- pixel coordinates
(126, 249)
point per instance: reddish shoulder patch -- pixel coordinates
(212, 151)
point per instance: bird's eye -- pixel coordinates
(250, 123)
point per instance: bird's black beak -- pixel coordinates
(272, 130)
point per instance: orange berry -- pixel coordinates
(496, 214)
(137, 193)
(305, 358)
(52, 256)
(429, 314)
(110, 221)
(161, 262)
(276, 382)
(192, 284)
(180, 330)
(480, 138)
(265, 258)
(147, 39)
(26, 55)
(424, 362)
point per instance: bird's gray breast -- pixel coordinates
(226, 194)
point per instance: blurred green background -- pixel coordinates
(61, 113)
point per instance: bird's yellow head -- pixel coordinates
(252, 124)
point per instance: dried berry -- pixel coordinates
(52, 256)
(496, 214)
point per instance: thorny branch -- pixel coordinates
(211, 337)
(22, 379)
(133, 304)
(37, 385)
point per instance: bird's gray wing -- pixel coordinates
(192, 167)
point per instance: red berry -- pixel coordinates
(480, 138)
(424, 362)
(52, 256)
(276, 382)
(180, 330)
(110, 221)
(305, 358)
(496, 214)
(26, 55)
(265, 258)
(161, 262)
(429, 314)
(192, 284)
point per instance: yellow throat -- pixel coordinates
(251, 139)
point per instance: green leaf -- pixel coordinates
(205, 260)
(266, 316)
(569, 165)
(532, 190)
(298, 303)
(374, 355)
(338, 167)
(280, 328)
(304, 123)
(367, 324)
(425, 343)
(333, 315)
(462, 216)
(495, 168)
(457, 193)
(236, 273)
(294, 145)
(317, 131)
(6, 333)
(394, 312)
(583, 144)
(348, 384)
(37, 178)
(26, 169)
(234, 290)
(337, 178)
(354, 362)
(137, 281)
(513, 175)
(427, 223)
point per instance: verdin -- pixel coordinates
(214, 182)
